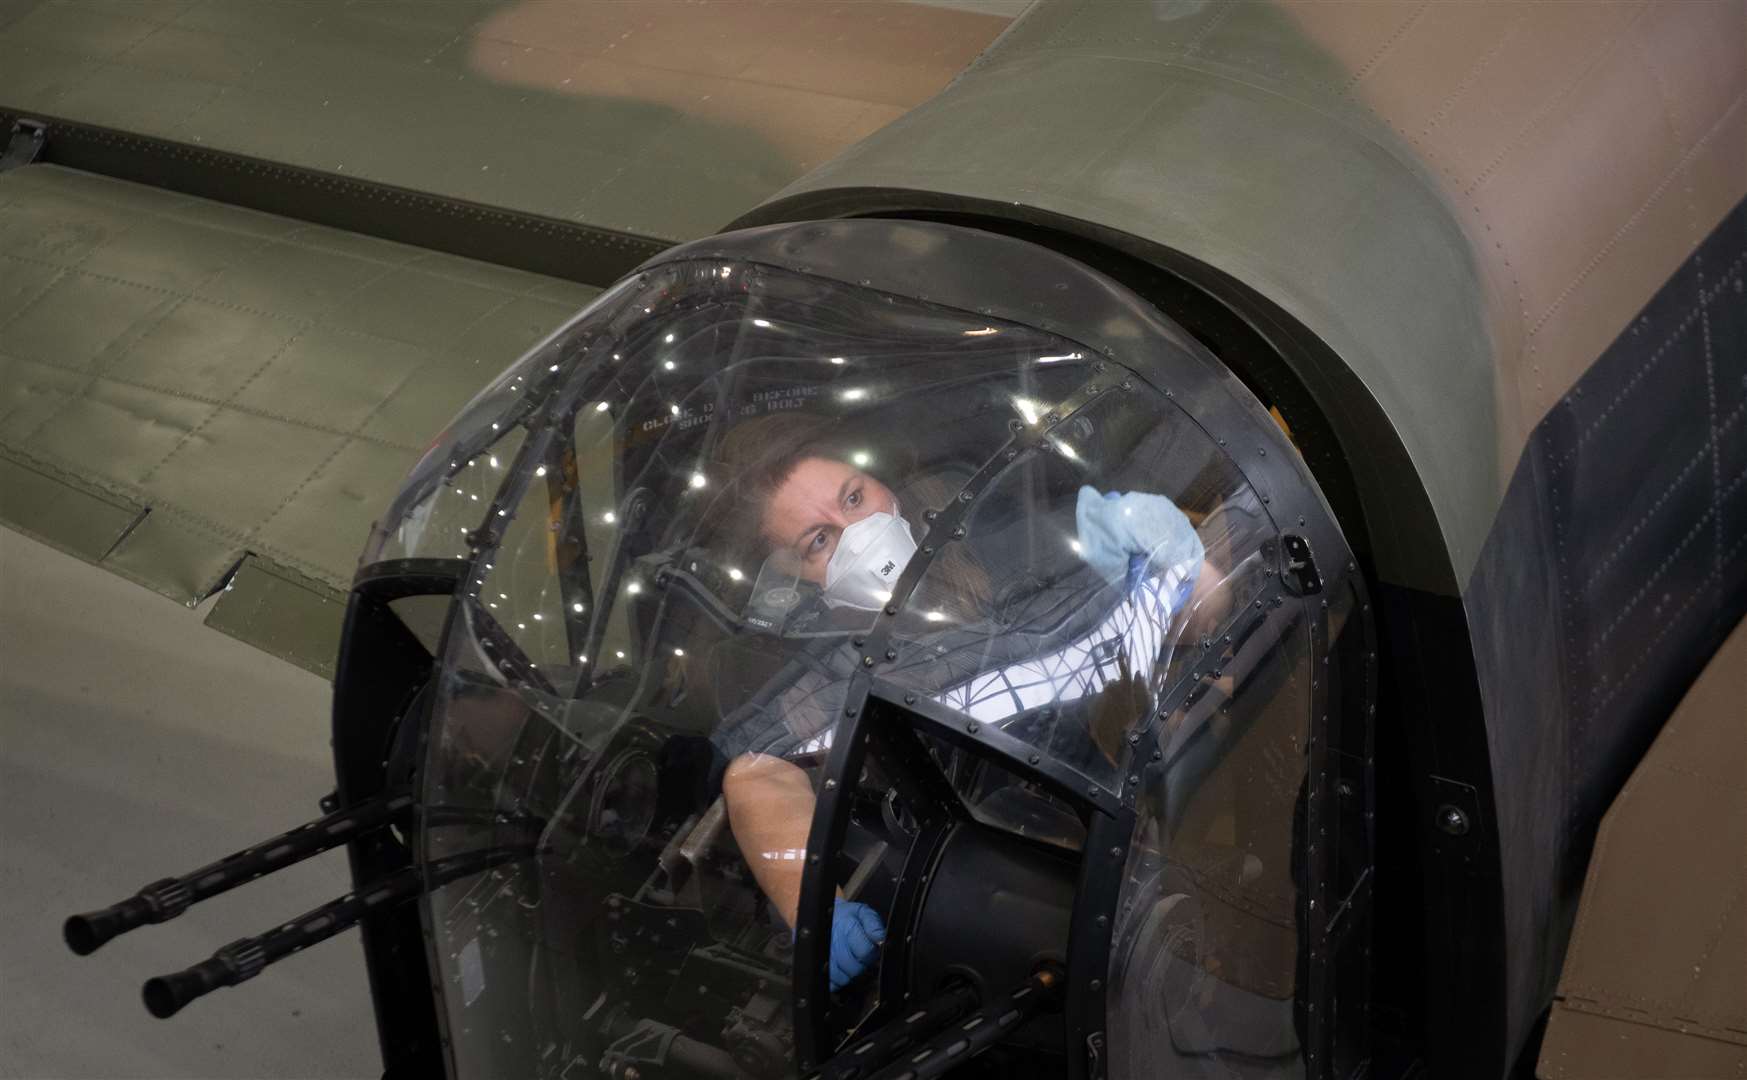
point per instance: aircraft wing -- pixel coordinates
(348, 217)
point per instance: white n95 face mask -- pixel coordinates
(870, 555)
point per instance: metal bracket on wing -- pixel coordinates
(24, 144)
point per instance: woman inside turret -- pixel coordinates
(1131, 574)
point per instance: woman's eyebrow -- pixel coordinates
(842, 494)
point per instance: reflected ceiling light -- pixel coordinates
(837, 360)
(609, 517)
(676, 410)
(1053, 359)
(577, 607)
(1068, 452)
(762, 324)
(668, 364)
(503, 596)
(1027, 408)
(1075, 544)
(854, 395)
(475, 498)
(616, 356)
(537, 616)
(634, 588)
(668, 339)
(984, 332)
(678, 652)
(699, 480)
(860, 458)
(601, 407)
(494, 461)
(541, 471)
(934, 616)
(521, 626)
(734, 574)
(620, 653)
(582, 658)
(554, 367)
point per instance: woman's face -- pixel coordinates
(810, 510)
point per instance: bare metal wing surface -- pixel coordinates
(1654, 985)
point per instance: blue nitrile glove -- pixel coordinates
(1121, 535)
(856, 935)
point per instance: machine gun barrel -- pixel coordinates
(962, 1040)
(244, 958)
(164, 900)
(893, 1052)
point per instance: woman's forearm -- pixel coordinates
(770, 809)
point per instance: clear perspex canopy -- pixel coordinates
(699, 524)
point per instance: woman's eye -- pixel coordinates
(854, 498)
(817, 543)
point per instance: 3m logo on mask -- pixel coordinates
(869, 554)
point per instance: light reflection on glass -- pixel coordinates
(1027, 408)
(854, 395)
(837, 360)
(734, 574)
(1053, 359)
(984, 332)
(762, 324)
(602, 406)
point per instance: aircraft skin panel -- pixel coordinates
(1615, 568)
(1521, 227)
(1654, 983)
(186, 383)
(650, 117)
(1468, 203)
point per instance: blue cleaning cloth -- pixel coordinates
(856, 935)
(1123, 535)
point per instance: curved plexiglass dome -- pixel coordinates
(698, 523)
